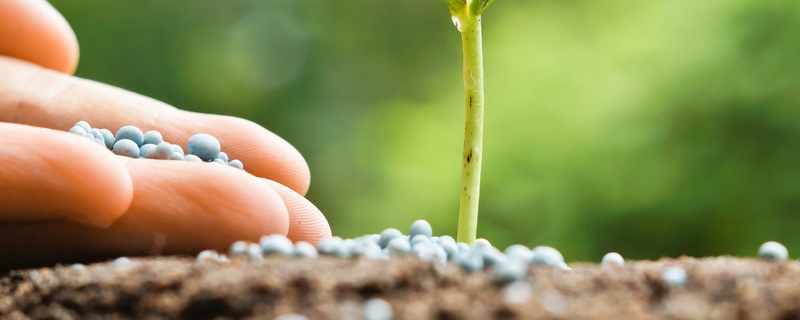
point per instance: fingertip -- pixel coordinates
(51, 174)
(33, 30)
(306, 221)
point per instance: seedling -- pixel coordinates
(466, 16)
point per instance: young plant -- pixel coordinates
(466, 15)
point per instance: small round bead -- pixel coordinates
(377, 309)
(674, 276)
(481, 244)
(470, 261)
(178, 149)
(510, 270)
(83, 124)
(78, 130)
(207, 255)
(153, 137)
(126, 148)
(236, 163)
(147, 150)
(548, 256)
(224, 156)
(176, 156)
(520, 252)
(329, 246)
(163, 151)
(420, 238)
(77, 266)
(398, 246)
(276, 244)
(773, 251)
(493, 257)
(131, 133)
(432, 252)
(191, 158)
(612, 259)
(463, 247)
(372, 251)
(449, 246)
(219, 161)
(205, 146)
(420, 227)
(304, 249)
(254, 252)
(97, 135)
(387, 235)
(238, 249)
(108, 137)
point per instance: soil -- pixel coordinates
(336, 288)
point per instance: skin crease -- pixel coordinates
(74, 201)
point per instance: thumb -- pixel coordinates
(33, 30)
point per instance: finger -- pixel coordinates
(34, 31)
(306, 222)
(55, 175)
(36, 96)
(178, 208)
(201, 205)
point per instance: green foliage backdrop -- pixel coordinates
(651, 128)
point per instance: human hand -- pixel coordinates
(64, 198)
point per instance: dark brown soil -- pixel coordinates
(333, 288)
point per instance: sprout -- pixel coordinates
(466, 16)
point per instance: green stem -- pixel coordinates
(473, 129)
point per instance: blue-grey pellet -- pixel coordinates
(510, 270)
(470, 261)
(674, 276)
(163, 151)
(238, 249)
(420, 227)
(276, 244)
(178, 149)
(548, 256)
(77, 130)
(204, 146)
(492, 257)
(329, 246)
(612, 259)
(152, 137)
(449, 245)
(83, 124)
(398, 246)
(254, 252)
(773, 251)
(387, 235)
(377, 309)
(147, 150)
(304, 249)
(131, 133)
(126, 147)
(108, 137)
(191, 158)
(236, 163)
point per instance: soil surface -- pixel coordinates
(335, 288)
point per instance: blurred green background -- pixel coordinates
(650, 128)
